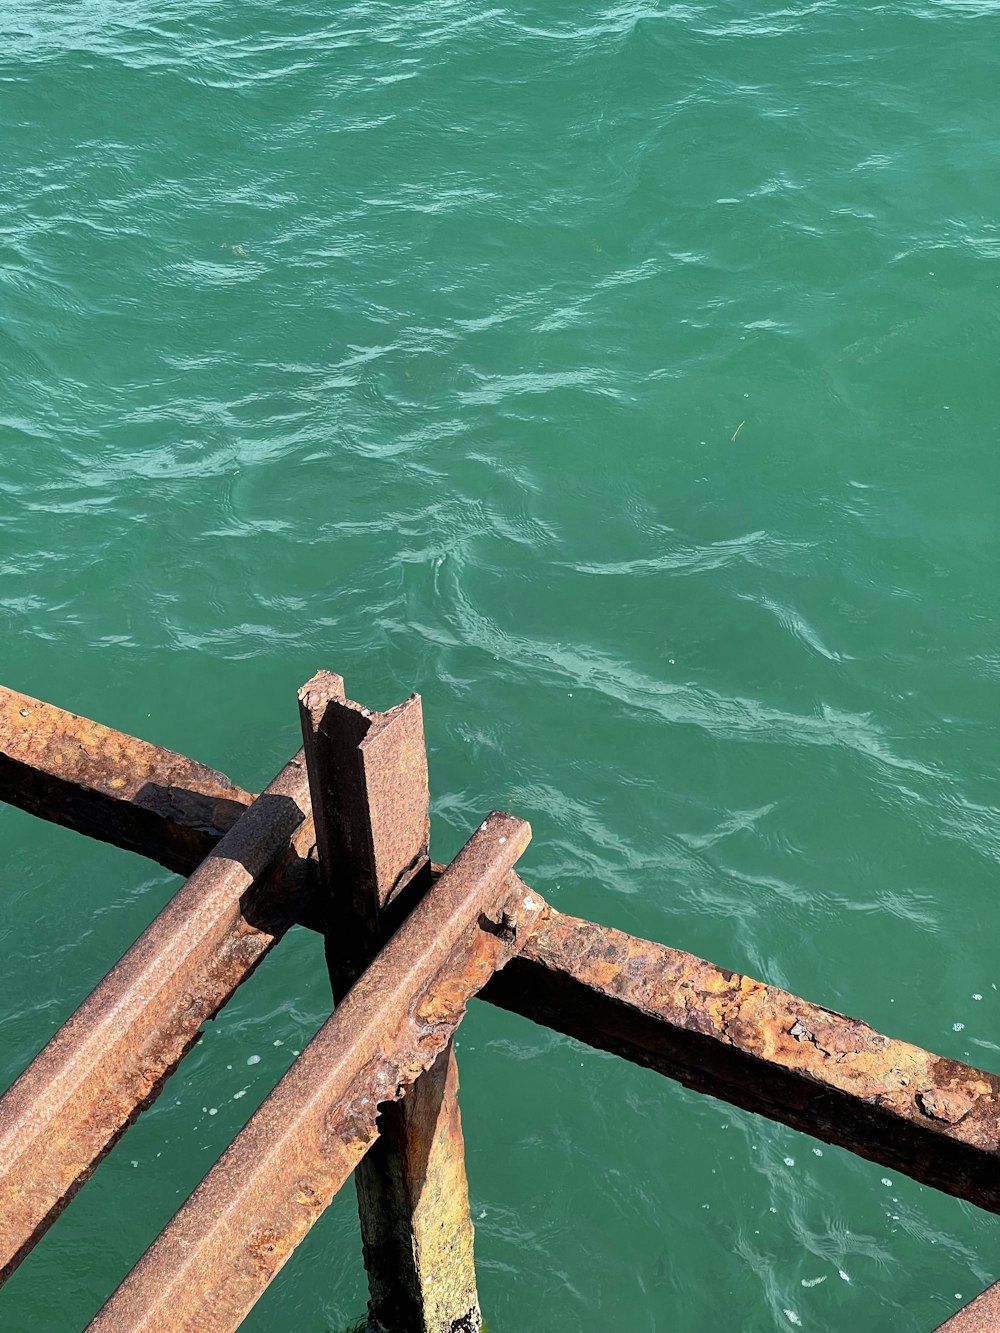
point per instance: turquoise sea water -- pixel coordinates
(624, 379)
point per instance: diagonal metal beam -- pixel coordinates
(213, 1261)
(110, 1059)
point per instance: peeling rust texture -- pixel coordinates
(762, 1049)
(980, 1316)
(368, 778)
(213, 1261)
(109, 1060)
(111, 786)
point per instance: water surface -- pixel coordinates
(622, 378)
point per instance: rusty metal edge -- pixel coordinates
(981, 1315)
(111, 786)
(216, 1257)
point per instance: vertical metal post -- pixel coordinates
(368, 780)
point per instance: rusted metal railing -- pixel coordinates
(339, 843)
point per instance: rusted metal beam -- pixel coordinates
(666, 1009)
(112, 786)
(980, 1316)
(368, 779)
(760, 1048)
(216, 1257)
(109, 1060)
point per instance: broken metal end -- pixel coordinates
(320, 689)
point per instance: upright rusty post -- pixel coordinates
(368, 779)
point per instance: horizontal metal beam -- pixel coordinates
(760, 1048)
(213, 1261)
(716, 1031)
(109, 1060)
(111, 786)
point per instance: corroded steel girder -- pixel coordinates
(714, 1030)
(368, 779)
(109, 1060)
(112, 786)
(213, 1261)
(370, 798)
(762, 1049)
(980, 1316)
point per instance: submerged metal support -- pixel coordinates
(368, 776)
(216, 1257)
(109, 1060)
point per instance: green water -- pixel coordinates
(624, 379)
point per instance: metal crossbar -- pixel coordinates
(339, 843)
